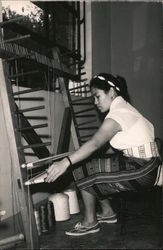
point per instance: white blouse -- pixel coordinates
(137, 136)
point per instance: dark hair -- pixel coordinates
(105, 81)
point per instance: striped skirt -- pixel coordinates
(105, 176)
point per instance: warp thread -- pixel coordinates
(43, 218)
(51, 216)
(38, 223)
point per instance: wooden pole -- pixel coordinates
(13, 239)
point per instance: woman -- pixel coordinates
(132, 167)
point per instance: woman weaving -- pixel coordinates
(133, 166)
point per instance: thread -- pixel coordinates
(38, 223)
(43, 218)
(73, 201)
(61, 206)
(51, 217)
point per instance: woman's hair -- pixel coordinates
(105, 81)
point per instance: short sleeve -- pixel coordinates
(125, 119)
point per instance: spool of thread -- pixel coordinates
(38, 223)
(51, 217)
(61, 206)
(43, 218)
(73, 201)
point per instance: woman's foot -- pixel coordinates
(107, 219)
(107, 214)
(83, 229)
(89, 224)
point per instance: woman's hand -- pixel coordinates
(57, 169)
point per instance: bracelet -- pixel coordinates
(68, 158)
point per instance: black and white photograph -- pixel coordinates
(81, 124)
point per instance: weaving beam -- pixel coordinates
(46, 160)
(37, 179)
(13, 49)
(11, 240)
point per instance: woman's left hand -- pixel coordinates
(56, 169)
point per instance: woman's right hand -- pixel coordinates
(56, 169)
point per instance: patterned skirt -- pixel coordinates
(116, 173)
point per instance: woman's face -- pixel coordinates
(102, 100)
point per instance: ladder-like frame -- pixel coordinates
(17, 158)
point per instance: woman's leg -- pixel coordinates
(89, 201)
(89, 224)
(106, 209)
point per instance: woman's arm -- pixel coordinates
(107, 130)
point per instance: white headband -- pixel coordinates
(110, 83)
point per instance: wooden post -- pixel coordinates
(17, 158)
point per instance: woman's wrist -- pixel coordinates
(69, 161)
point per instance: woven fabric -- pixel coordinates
(104, 176)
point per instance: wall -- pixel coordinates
(101, 37)
(126, 40)
(88, 63)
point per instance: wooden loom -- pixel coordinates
(17, 160)
(11, 51)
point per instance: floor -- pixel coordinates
(143, 229)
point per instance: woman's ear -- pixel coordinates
(112, 93)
